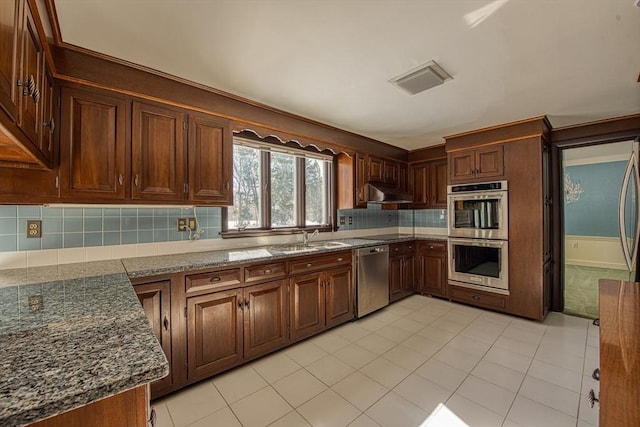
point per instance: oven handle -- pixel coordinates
(631, 171)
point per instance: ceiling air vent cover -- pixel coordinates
(422, 78)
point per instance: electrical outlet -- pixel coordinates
(342, 221)
(182, 224)
(192, 223)
(350, 220)
(34, 229)
(35, 303)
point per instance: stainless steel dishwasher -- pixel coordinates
(372, 279)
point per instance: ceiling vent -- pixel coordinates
(422, 78)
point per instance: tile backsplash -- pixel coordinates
(75, 227)
(379, 218)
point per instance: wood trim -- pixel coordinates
(43, 37)
(500, 134)
(54, 22)
(596, 131)
(435, 152)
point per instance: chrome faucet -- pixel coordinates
(306, 238)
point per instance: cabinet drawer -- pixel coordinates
(260, 272)
(433, 245)
(313, 263)
(477, 297)
(213, 280)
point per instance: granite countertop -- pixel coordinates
(73, 334)
(89, 339)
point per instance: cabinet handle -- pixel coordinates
(322, 284)
(136, 180)
(51, 124)
(28, 87)
(226, 185)
(215, 279)
(396, 249)
(596, 374)
(430, 247)
(267, 271)
(308, 264)
(120, 179)
(246, 304)
(339, 259)
(240, 305)
(36, 95)
(165, 323)
(592, 398)
(596, 322)
(152, 418)
(475, 297)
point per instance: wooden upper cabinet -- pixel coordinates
(391, 172)
(32, 69)
(48, 115)
(158, 153)
(10, 28)
(155, 298)
(210, 160)
(429, 184)
(93, 141)
(376, 169)
(476, 164)
(361, 173)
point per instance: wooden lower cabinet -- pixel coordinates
(431, 260)
(227, 327)
(339, 296)
(479, 298)
(401, 270)
(155, 298)
(307, 305)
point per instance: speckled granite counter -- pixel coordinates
(89, 339)
(397, 238)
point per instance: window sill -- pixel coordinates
(256, 232)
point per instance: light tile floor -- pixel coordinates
(419, 362)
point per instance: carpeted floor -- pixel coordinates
(581, 288)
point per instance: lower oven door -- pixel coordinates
(480, 264)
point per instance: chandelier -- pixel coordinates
(572, 189)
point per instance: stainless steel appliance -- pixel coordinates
(479, 264)
(479, 210)
(372, 279)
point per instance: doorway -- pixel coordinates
(599, 204)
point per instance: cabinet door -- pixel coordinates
(361, 180)
(403, 177)
(210, 160)
(93, 139)
(339, 295)
(306, 305)
(158, 150)
(489, 161)
(408, 274)
(376, 169)
(32, 67)
(265, 318)
(155, 298)
(10, 28)
(391, 173)
(438, 184)
(462, 165)
(395, 277)
(48, 121)
(433, 274)
(214, 333)
(420, 185)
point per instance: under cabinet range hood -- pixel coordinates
(382, 193)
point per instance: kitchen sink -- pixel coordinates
(328, 245)
(313, 246)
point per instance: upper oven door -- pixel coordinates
(482, 215)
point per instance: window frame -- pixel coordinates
(265, 176)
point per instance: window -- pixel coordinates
(278, 189)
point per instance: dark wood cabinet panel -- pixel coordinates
(93, 140)
(210, 160)
(214, 333)
(158, 153)
(476, 164)
(479, 298)
(375, 169)
(408, 273)
(339, 296)
(420, 186)
(307, 305)
(391, 172)
(265, 318)
(431, 260)
(155, 298)
(48, 101)
(395, 277)
(429, 184)
(32, 67)
(401, 270)
(10, 28)
(361, 173)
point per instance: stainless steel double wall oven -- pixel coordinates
(478, 236)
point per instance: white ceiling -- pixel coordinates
(331, 60)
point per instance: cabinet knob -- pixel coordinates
(240, 305)
(267, 271)
(596, 374)
(475, 297)
(165, 323)
(227, 185)
(339, 259)
(215, 279)
(136, 180)
(51, 124)
(246, 303)
(308, 264)
(120, 179)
